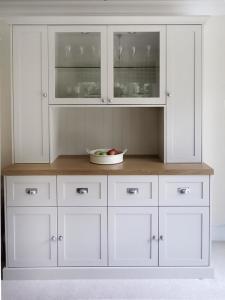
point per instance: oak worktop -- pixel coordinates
(132, 165)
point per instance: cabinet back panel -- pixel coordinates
(76, 129)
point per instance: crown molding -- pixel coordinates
(111, 7)
(104, 20)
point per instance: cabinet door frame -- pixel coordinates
(19, 156)
(164, 260)
(62, 212)
(175, 134)
(161, 100)
(77, 28)
(51, 261)
(153, 259)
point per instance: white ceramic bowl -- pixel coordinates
(105, 159)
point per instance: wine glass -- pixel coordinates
(68, 49)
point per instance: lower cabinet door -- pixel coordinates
(133, 233)
(32, 236)
(183, 236)
(82, 236)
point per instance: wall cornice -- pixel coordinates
(111, 7)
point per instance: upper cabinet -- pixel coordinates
(107, 65)
(30, 93)
(136, 64)
(184, 67)
(89, 65)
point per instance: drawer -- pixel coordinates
(184, 190)
(31, 190)
(82, 190)
(133, 190)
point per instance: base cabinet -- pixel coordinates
(132, 236)
(32, 236)
(125, 236)
(184, 236)
(82, 236)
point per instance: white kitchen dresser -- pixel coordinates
(124, 82)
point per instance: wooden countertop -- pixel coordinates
(132, 165)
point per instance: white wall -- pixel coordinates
(214, 115)
(5, 108)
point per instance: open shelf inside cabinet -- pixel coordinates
(138, 129)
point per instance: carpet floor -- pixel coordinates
(154, 289)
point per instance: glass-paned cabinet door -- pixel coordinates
(77, 64)
(136, 64)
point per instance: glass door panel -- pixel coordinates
(78, 64)
(138, 64)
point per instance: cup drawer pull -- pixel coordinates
(132, 191)
(31, 191)
(82, 191)
(184, 190)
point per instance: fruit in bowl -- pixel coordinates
(112, 151)
(100, 152)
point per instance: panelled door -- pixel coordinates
(82, 236)
(32, 236)
(77, 64)
(30, 85)
(133, 236)
(183, 236)
(184, 83)
(136, 64)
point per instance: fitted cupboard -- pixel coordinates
(30, 94)
(87, 86)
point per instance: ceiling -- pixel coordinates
(111, 7)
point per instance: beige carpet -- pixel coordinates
(188, 289)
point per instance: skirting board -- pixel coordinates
(107, 273)
(218, 233)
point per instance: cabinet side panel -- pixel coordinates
(184, 93)
(30, 94)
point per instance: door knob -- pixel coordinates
(60, 237)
